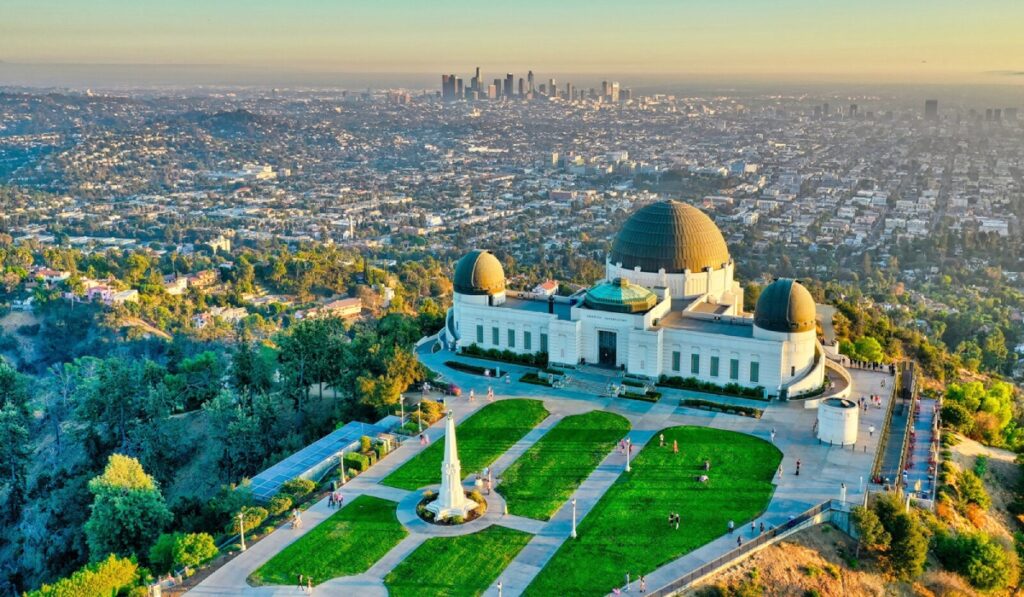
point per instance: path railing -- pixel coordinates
(769, 537)
(883, 439)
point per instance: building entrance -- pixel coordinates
(607, 342)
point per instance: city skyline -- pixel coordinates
(914, 41)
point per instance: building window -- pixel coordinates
(734, 368)
(479, 334)
(695, 364)
(527, 341)
(675, 360)
(714, 366)
(543, 342)
(755, 371)
(511, 338)
(495, 337)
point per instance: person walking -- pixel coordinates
(301, 583)
(732, 525)
(671, 519)
(675, 447)
(780, 471)
(661, 438)
(797, 467)
(762, 527)
(677, 521)
(773, 435)
(643, 584)
(753, 528)
(739, 541)
(309, 585)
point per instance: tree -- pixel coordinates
(909, 547)
(869, 349)
(870, 532)
(128, 511)
(108, 577)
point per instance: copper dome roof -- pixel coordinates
(785, 306)
(479, 272)
(672, 236)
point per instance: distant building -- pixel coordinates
(931, 109)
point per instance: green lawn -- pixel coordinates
(348, 542)
(627, 531)
(482, 438)
(464, 565)
(543, 478)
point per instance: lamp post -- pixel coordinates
(842, 493)
(419, 418)
(573, 534)
(499, 588)
(401, 406)
(241, 529)
(629, 448)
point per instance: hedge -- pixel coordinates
(358, 462)
(538, 359)
(730, 389)
(651, 397)
(745, 411)
(252, 516)
(535, 379)
(297, 488)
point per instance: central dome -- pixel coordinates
(669, 235)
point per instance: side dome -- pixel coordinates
(785, 306)
(479, 272)
(669, 235)
(620, 296)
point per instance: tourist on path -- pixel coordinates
(762, 527)
(753, 528)
(739, 541)
(643, 584)
(309, 585)
(301, 581)
(732, 525)
(780, 471)
(773, 435)
(798, 467)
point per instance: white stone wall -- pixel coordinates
(471, 313)
(719, 284)
(706, 345)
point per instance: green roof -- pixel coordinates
(620, 296)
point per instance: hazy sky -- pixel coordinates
(921, 40)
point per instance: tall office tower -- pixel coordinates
(509, 81)
(543, 89)
(552, 89)
(626, 95)
(615, 91)
(988, 114)
(460, 91)
(570, 93)
(931, 109)
(1010, 114)
(529, 82)
(479, 82)
(825, 110)
(817, 112)
(997, 114)
(492, 91)
(447, 87)
(522, 87)
(604, 91)
(853, 111)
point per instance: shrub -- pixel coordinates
(161, 555)
(297, 488)
(431, 410)
(638, 396)
(107, 577)
(252, 516)
(194, 549)
(458, 519)
(539, 359)
(365, 443)
(356, 462)
(981, 465)
(279, 504)
(380, 450)
(972, 490)
(531, 377)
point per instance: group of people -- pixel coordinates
(642, 581)
(673, 520)
(675, 443)
(296, 518)
(306, 584)
(335, 499)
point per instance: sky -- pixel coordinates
(938, 41)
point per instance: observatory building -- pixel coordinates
(668, 305)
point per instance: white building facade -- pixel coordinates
(668, 306)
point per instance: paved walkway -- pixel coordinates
(823, 470)
(921, 451)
